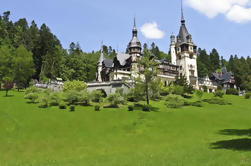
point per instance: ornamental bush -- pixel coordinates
(130, 108)
(43, 101)
(54, 98)
(32, 97)
(97, 107)
(97, 96)
(216, 100)
(247, 95)
(219, 93)
(232, 92)
(62, 105)
(178, 90)
(74, 85)
(32, 89)
(146, 108)
(84, 98)
(115, 99)
(174, 101)
(71, 97)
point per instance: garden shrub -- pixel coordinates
(32, 89)
(130, 108)
(72, 108)
(71, 97)
(146, 108)
(247, 95)
(74, 86)
(97, 107)
(43, 101)
(84, 98)
(218, 101)
(97, 96)
(199, 94)
(232, 92)
(178, 90)
(54, 98)
(115, 99)
(32, 97)
(62, 105)
(174, 101)
(196, 104)
(219, 93)
(204, 87)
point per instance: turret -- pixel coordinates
(172, 50)
(134, 47)
(100, 65)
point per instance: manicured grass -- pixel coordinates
(190, 136)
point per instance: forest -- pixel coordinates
(30, 52)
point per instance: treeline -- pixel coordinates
(213, 62)
(28, 52)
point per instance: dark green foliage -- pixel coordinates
(174, 101)
(178, 90)
(219, 87)
(146, 108)
(115, 99)
(72, 108)
(97, 107)
(232, 92)
(54, 98)
(62, 105)
(32, 97)
(84, 98)
(216, 100)
(219, 93)
(43, 101)
(97, 96)
(247, 95)
(182, 81)
(130, 108)
(199, 94)
(74, 86)
(71, 97)
(205, 88)
(196, 104)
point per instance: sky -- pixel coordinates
(221, 24)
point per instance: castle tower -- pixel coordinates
(134, 47)
(172, 50)
(185, 53)
(100, 65)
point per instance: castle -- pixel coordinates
(112, 73)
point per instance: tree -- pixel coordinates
(23, 66)
(215, 60)
(6, 66)
(150, 71)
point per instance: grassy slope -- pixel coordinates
(52, 137)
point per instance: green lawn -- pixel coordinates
(212, 135)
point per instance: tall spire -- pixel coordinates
(182, 13)
(134, 30)
(101, 58)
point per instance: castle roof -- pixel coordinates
(122, 58)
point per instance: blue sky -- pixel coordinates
(225, 26)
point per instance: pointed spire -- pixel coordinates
(101, 58)
(134, 30)
(134, 23)
(182, 13)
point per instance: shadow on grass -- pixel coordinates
(243, 144)
(8, 96)
(237, 132)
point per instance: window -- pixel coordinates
(191, 56)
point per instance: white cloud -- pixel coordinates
(151, 31)
(239, 14)
(234, 10)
